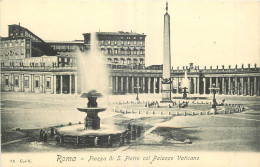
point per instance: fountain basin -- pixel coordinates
(91, 109)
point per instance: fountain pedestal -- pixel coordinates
(92, 120)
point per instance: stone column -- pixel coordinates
(160, 84)
(133, 85)
(32, 82)
(190, 86)
(204, 85)
(198, 85)
(236, 86)
(76, 84)
(229, 85)
(116, 86)
(195, 85)
(61, 84)
(177, 85)
(255, 88)
(70, 90)
(43, 83)
(154, 84)
(143, 80)
(210, 84)
(242, 85)
(248, 86)
(149, 85)
(122, 85)
(127, 85)
(223, 86)
(252, 87)
(22, 82)
(54, 84)
(217, 84)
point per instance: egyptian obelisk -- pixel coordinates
(166, 81)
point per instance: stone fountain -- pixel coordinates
(92, 120)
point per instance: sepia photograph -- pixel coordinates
(130, 83)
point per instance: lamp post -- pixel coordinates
(214, 90)
(184, 93)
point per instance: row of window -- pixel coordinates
(26, 82)
(14, 44)
(122, 51)
(108, 42)
(123, 61)
(66, 47)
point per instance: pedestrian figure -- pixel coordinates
(134, 133)
(41, 135)
(109, 141)
(122, 140)
(52, 131)
(128, 137)
(129, 126)
(139, 131)
(96, 141)
(45, 137)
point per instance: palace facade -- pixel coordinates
(51, 67)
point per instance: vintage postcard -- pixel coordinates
(130, 83)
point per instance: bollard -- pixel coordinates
(161, 113)
(224, 111)
(200, 113)
(207, 113)
(139, 112)
(153, 112)
(185, 113)
(192, 113)
(146, 111)
(169, 113)
(177, 113)
(52, 131)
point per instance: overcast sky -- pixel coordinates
(205, 33)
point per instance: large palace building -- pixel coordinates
(29, 64)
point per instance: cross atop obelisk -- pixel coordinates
(166, 81)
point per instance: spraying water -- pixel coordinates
(92, 69)
(186, 81)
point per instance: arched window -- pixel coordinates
(116, 51)
(122, 50)
(122, 61)
(103, 50)
(128, 61)
(128, 51)
(109, 60)
(116, 60)
(135, 51)
(141, 61)
(135, 61)
(109, 51)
